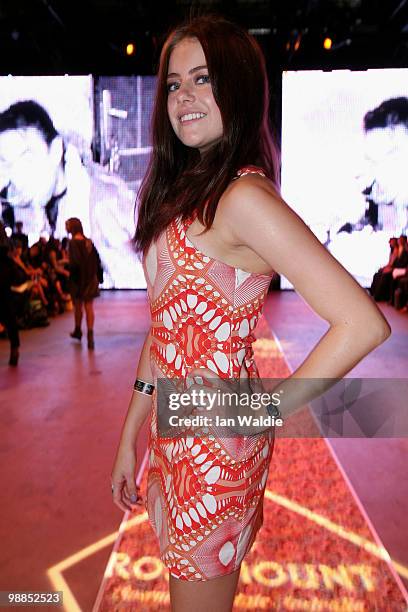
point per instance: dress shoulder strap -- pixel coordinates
(249, 170)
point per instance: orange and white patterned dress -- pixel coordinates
(204, 494)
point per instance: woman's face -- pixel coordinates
(193, 112)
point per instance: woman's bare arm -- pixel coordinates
(139, 404)
(259, 219)
(125, 489)
(20, 262)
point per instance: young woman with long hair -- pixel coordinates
(83, 279)
(213, 228)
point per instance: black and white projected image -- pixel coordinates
(344, 153)
(77, 146)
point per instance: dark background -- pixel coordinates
(53, 36)
(90, 36)
(57, 36)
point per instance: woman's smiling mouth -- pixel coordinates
(191, 117)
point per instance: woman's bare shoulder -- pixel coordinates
(248, 195)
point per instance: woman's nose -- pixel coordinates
(185, 92)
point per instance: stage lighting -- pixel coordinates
(130, 49)
(259, 31)
(327, 43)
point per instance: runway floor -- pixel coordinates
(61, 412)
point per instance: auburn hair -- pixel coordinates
(179, 181)
(74, 226)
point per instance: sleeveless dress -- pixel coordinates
(204, 494)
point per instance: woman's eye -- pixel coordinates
(203, 78)
(172, 86)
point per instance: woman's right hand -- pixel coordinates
(126, 494)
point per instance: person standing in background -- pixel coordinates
(84, 283)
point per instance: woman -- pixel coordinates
(213, 228)
(84, 283)
(57, 276)
(27, 278)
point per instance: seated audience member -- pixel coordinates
(18, 235)
(401, 293)
(28, 290)
(26, 274)
(64, 249)
(393, 242)
(36, 255)
(382, 286)
(376, 285)
(399, 285)
(57, 275)
(37, 261)
(7, 311)
(400, 267)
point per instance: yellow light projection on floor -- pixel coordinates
(268, 573)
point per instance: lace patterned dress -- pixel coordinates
(204, 494)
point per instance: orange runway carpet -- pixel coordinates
(315, 551)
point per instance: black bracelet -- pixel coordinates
(143, 387)
(273, 411)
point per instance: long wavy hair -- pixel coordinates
(179, 181)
